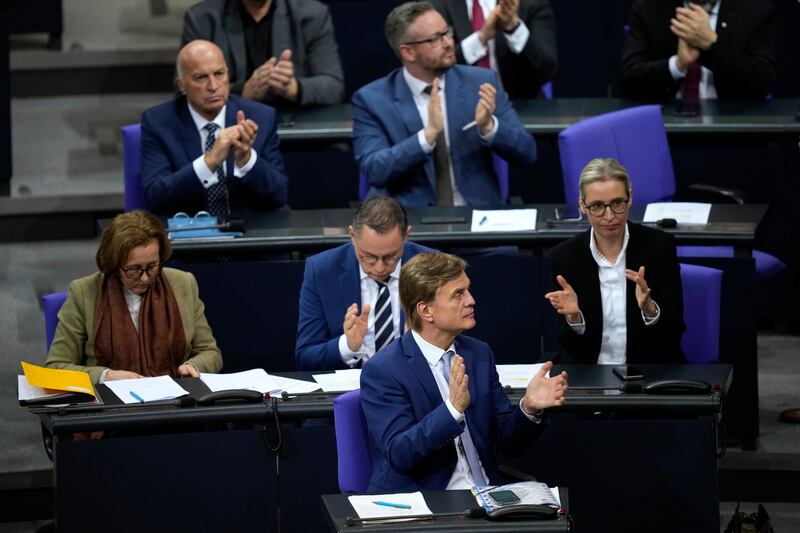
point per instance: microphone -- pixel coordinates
(475, 512)
(234, 224)
(667, 223)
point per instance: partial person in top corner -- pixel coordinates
(281, 52)
(208, 150)
(349, 301)
(134, 317)
(699, 50)
(619, 282)
(425, 134)
(516, 38)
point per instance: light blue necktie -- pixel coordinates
(467, 446)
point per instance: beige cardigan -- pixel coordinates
(73, 344)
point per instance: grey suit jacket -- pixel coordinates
(303, 26)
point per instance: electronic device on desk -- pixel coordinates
(203, 225)
(628, 372)
(566, 216)
(678, 386)
(233, 395)
(522, 512)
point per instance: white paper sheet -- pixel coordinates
(517, 376)
(683, 212)
(503, 220)
(528, 492)
(256, 379)
(366, 507)
(340, 381)
(148, 389)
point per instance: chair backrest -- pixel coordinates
(132, 157)
(500, 169)
(702, 288)
(352, 443)
(51, 303)
(635, 137)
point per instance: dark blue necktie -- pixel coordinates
(217, 195)
(384, 325)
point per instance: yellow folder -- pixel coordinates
(57, 380)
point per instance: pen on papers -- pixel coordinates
(468, 125)
(137, 397)
(483, 221)
(395, 505)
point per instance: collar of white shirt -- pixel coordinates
(600, 258)
(417, 86)
(431, 353)
(200, 121)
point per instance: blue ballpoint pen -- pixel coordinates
(395, 505)
(483, 221)
(137, 397)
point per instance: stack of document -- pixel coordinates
(41, 386)
(340, 381)
(146, 389)
(390, 506)
(257, 379)
(517, 376)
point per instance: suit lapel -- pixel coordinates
(350, 280)
(189, 136)
(407, 109)
(281, 31)
(418, 366)
(461, 21)
(457, 117)
(725, 17)
(235, 35)
(230, 119)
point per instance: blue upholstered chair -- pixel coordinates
(132, 156)
(500, 169)
(51, 303)
(702, 288)
(352, 443)
(636, 138)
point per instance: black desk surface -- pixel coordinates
(114, 415)
(338, 509)
(334, 123)
(313, 230)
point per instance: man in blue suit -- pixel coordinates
(207, 149)
(362, 274)
(426, 146)
(433, 402)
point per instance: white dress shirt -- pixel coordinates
(207, 176)
(613, 297)
(421, 100)
(369, 295)
(472, 48)
(706, 87)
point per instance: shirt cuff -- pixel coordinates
(103, 376)
(458, 417)
(536, 417)
(676, 73)
(579, 327)
(489, 137)
(472, 48)
(651, 321)
(518, 38)
(240, 172)
(423, 142)
(207, 177)
(349, 357)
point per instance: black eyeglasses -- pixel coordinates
(137, 272)
(598, 209)
(436, 39)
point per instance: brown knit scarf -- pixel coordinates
(157, 348)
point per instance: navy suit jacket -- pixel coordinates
(171, 142)
(655, 250)
(331, 284)
(385, 127)
(742, 59)
(411, 431)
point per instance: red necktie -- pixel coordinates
(691, 83)
(477, 24)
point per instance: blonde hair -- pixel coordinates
(126, 232)
(603, 169)
(422, 276)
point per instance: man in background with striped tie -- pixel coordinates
(349, 302)
(434, 405)
(208, 150)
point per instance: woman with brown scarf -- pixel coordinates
(134, 317)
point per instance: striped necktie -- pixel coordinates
(384, 325)
(217, 195)
(466, 445)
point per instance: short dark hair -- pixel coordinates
(400, 18)
(422, 276)
(381, 214)
(126, 232)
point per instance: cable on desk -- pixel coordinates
(264, 428)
